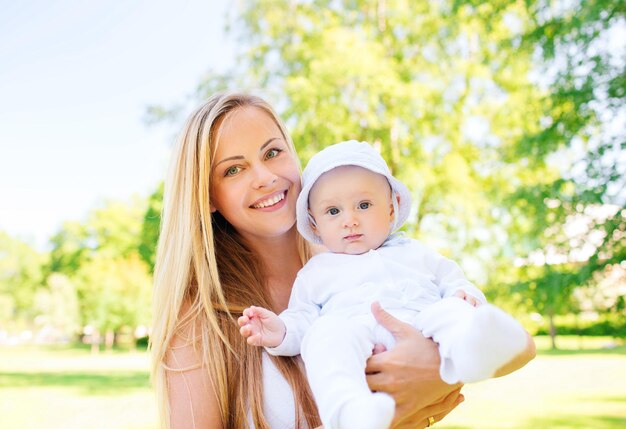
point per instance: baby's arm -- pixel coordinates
(467, 297)
(261, 327)
(451, 280)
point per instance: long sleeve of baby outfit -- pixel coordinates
(450, 278)
(298, 317)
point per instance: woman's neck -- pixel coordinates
(281, 262)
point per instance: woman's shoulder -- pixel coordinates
(192, 394)
(184, 350)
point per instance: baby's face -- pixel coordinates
(352, 209)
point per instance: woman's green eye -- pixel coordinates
(232, 171)
(272, 153)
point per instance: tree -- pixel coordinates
(57, 308)
(21, 274)
(438, 87)
(114, 293)
(576, 218)
(101, 256)
(496, 114)
(113, 229)
(151, 227)
(70, 248)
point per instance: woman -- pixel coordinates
(228, 238)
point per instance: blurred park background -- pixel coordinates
(507, 120)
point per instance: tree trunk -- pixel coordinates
(95, 342)
(109, 339)
(552, 331)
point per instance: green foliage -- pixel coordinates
(114, 230)
(57, 307)
(610, 326)
(20, 276)
(70, 247)
(436, 85)
(151, 227)
(114, 292)
(101, 256)
(570, 228)
(496, 114)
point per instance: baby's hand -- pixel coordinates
(467, 297)
(261, 327)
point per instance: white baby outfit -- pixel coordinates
(329, 319)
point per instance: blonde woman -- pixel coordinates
(228, 238)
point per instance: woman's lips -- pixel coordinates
(271, 203)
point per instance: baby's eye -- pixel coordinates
(272, 153)
(365, 205)
(231, 171)
(333, 211)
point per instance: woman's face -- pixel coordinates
(255, 179)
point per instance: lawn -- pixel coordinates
(70, 388)
(50, 388)
(568, 388)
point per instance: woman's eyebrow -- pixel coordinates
(230, 158)
(264, 145)
(236, 157)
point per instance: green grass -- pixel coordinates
(569, 388)
(60, 387)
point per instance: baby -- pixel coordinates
(352, 204)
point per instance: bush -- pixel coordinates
(142, 342)
(608, 325)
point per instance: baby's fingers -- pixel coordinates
(249, 312)
(253, 312)
(254, 340)
(243, 320)
(245, 331)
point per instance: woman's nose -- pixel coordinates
(263, 177)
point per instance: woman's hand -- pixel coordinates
(410, 373)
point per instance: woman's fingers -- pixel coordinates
(442, 409)
(374, 364)
(397, 328)
(437, 411)
(376, 381)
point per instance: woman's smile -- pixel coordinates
(273, 202)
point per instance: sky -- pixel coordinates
(75, 80)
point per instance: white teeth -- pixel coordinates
(270, 202)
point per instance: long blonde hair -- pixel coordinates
(205, 267)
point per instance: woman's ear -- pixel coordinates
(212, 208)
